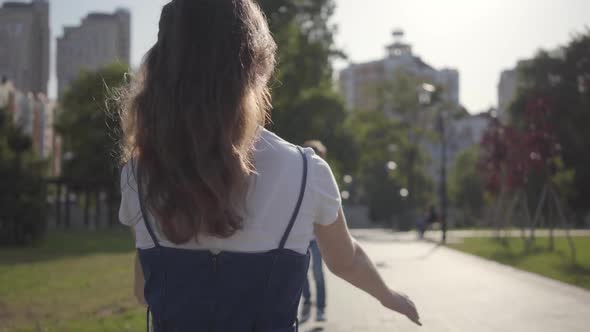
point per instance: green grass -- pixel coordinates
(555, 264)
(71, 282)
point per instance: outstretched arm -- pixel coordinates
(138, 278)
(138, 282)
(345, 257)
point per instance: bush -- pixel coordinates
(22, 208)
(23, 204)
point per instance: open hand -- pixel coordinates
(402, 304)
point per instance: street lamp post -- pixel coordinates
(426, 98)
(68, 157)
(443, 174)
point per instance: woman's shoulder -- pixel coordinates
(127, 173)
(270, 144)
(269, 141)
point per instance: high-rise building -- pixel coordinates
(357, 82)
(511, 82)
(101, 39)
(507, 89)
(24, 44)
(34, 115)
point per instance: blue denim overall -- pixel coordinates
(195, 290)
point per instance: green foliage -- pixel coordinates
(564, 179)
(466, 188)
(305, 104)
(22, 193)
(381, 140)
(396, 135)
(22, 206)
(320, 114)
(399, 96)
(89, 127)
(565, 80)
(374, 133)
(305, 37)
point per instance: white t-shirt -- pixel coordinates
(272, 197)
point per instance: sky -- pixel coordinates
(480, 38)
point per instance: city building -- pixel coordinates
(100, 39)
(24, 44)
(467, 132)
(507, 89)
(461, 134)
(35, 116)
(357, 82)
(510, 83)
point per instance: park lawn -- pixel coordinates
(70, 282)
(556, 264)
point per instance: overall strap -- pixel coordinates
(299, 201)
(145, 215)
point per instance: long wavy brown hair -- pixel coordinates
(192, 114)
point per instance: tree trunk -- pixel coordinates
(111, 209)
(87, 207)
(551, 224)
(67, 201)
(58, 203)
(565, 224)
(98, 209)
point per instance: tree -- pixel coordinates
(524, 162)
(563, 77)
(384, 167)
(89, 126)
(305, 38)
(320, 114)
(305, 105)
(467, 188)
(23, 190)
(398, 98)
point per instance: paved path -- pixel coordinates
(454, 292)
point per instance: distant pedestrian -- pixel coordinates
(317, 268)
(430, 217)
(223, 211)
(4, 92)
